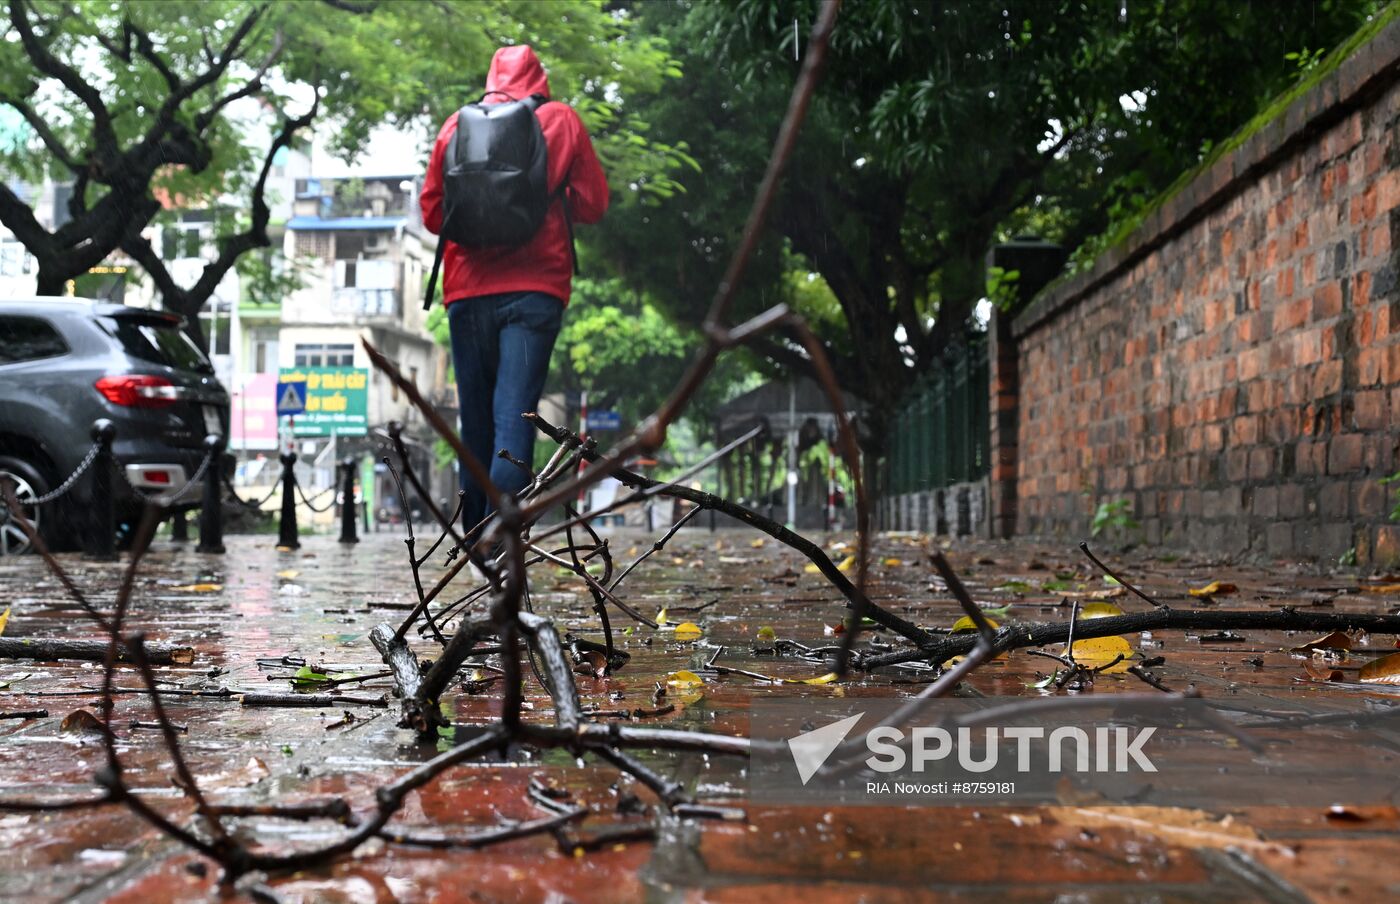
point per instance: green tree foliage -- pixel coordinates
(133, 103)
(939, 128)
(617, 346)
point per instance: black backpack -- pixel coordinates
(495, 188)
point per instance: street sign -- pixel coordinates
(291, 397)
(337, 400)
(604, 420)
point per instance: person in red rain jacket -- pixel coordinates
(505, 305)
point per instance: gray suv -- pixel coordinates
(66, 362)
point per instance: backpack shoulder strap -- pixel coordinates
(437, 266)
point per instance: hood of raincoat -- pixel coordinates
(516, 71)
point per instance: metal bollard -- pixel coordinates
(347, 503)
(287, 527)
(211, 509)
(102, 543)
(179, 527)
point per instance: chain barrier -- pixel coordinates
(168, 498)
(67, 485)
(307, 502)
(233, 492)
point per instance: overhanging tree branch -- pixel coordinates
(40, 125)
(189, 301)
(70, 78)
(252, 86)
(19, 219)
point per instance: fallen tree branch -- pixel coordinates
(855, 597)
(51, 649)
(1011, 637)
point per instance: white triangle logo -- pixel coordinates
(810, 750)
(290, 399)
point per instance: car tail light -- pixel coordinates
(138, 391)
(156, 476)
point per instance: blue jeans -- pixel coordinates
(500, 351)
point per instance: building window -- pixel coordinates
(313, 244)
(181, 241)
(15, 259)
(264, 353)
(325, 355)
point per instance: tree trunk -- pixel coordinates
(51, 280)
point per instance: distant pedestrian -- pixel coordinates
(508, 270)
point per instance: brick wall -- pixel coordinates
(1233, 370)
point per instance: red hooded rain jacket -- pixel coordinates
(545, 263)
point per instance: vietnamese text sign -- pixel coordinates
(337, 400)
(604, 420)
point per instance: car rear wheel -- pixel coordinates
(28, 484)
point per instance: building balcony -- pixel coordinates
(366, 304)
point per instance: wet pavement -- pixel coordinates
(255, 614)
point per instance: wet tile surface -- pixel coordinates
(243, 611)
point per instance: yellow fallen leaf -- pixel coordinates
(966, 623)
(684, 679)
(661, 618)
(1382, 588)
(893, 562)
(688, 631)
(4, 619)
(828, 678)
(199, 588)
(1099, 610)
(285, 549)
(812, 569)
(757, 544)
(288, 573)
(1214, 588)
(1097, 652)
(848, 564)
(767, 634)
(1385, 670)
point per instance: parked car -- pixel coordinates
(65, 363)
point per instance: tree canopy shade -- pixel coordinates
(137, 101)
(940, 128)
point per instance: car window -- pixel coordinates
(28, 339)
(158, 343)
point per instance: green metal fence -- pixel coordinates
(940, 436)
